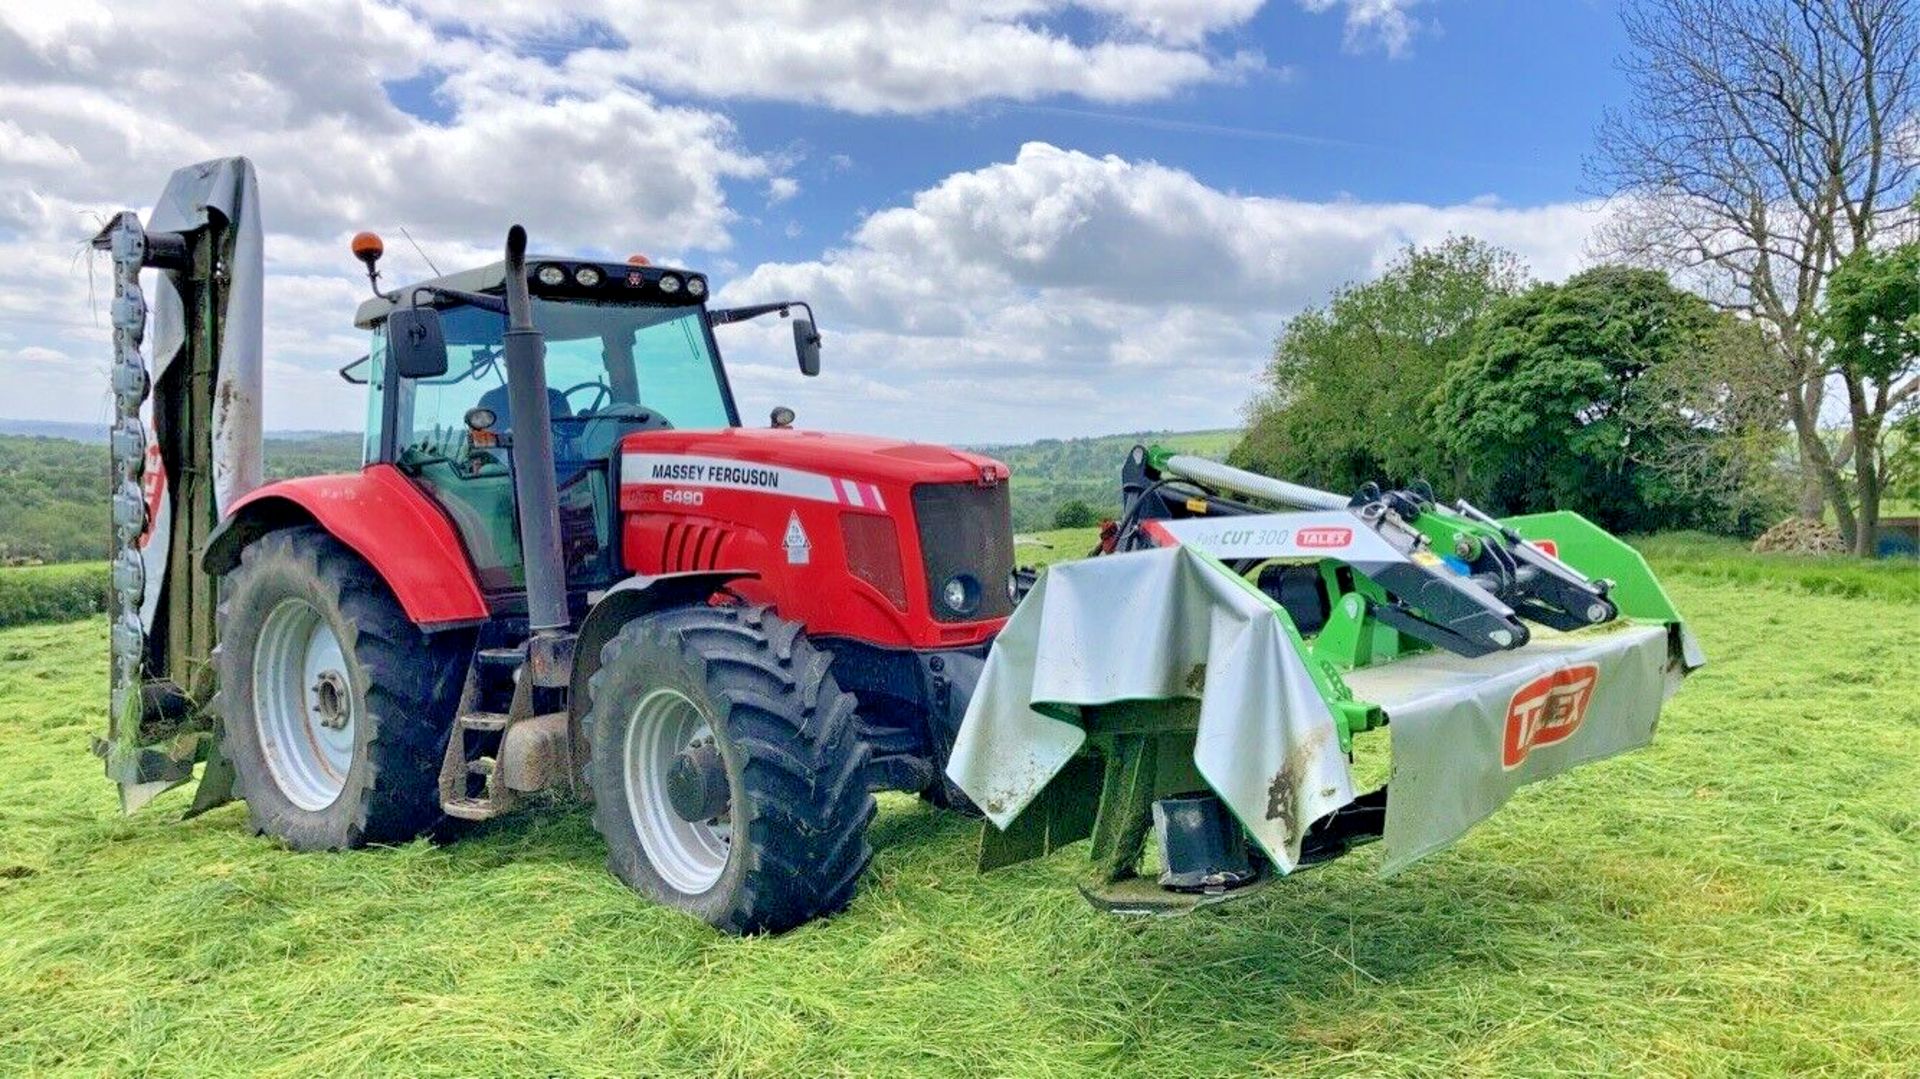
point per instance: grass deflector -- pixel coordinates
(1207, 680)
(567, 566)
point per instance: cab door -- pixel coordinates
(421, 426)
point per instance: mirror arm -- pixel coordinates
(477, 299)
(723, 316)
(346, 372)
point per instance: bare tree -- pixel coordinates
(1766, 139)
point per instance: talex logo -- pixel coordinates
(1325, 537)
(1547, 710)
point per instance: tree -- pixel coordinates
(1347, 396)
(1075, 514)
(1768, 139)
(1570, 398)
(1870, 325)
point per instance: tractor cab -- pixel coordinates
(629, 347)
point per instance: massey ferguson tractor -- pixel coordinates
(566, 565)
(559, 506)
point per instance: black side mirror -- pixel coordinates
(416, 346)
(806, 345)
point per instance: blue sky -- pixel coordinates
(1493, 98)
(1017, 218)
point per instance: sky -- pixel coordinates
(1015, 219)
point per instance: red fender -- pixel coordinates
(385, 519)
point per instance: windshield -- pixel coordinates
(603, 361)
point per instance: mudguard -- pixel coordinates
(385, 519)
(628, 600)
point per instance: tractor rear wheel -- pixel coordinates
(728, 775)
(334, 708)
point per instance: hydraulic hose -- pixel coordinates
(1226, 477)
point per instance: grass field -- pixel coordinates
(1743, 897)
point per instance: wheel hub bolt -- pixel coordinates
(697, 783)
(330, 700)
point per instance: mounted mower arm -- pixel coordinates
(1453, 577)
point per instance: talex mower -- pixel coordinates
(566, 566)
(1204, 678)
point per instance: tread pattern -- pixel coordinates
(412, 685)
(796, 748)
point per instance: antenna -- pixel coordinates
(416, 247)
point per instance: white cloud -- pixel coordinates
(89, 125)
(1184, 21)
(908, 56)
(1385, 23)
(299, 89)
(1053, 293)
(545, 114)
(1064, 293)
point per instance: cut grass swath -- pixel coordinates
(1742, 897)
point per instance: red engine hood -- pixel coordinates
(855, 456)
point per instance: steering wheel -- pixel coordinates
(600, 398)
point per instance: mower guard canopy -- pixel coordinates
(1156, 625)
(1175, 623)
(1467, 733)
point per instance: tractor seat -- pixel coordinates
(495, 400)
(607, 426)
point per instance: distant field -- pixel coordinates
(54, 490)
(1741, 898)
(1052, 471)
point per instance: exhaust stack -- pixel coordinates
(535, 488)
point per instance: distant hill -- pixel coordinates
(1054, 471)
(97, 432)
(54, 488)
(54, 478)
(78, 432)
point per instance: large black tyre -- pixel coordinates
(791, 843)
(397, 688)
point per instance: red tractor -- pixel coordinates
(566, 562)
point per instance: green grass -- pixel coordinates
(1743, 897)
(58, 593)
(1716, 558)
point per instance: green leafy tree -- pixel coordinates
(1869, 322)
(1568, 399)
(1075, 514)
(1347, 396)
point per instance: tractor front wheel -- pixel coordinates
(334, 708)
(728, 775)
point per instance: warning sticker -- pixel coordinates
(799, 548)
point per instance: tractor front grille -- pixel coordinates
(966, 532)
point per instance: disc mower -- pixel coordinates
(1204, 679)
(566, 566)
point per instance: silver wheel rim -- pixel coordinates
(689, 855)
(304, 706)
